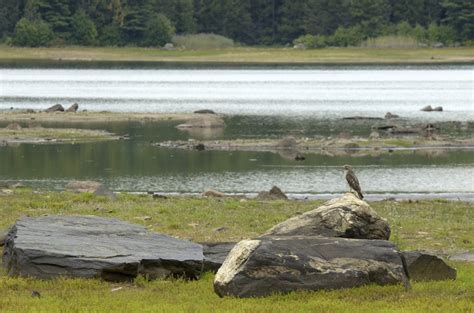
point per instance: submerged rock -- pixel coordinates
(94, 247)
(269, 265)
(204, 121)
(347, 217)
(426, 267)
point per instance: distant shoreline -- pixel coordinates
(232, 57)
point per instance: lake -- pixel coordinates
(263, 102)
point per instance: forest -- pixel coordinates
(314, 23)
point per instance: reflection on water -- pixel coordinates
(135, 165)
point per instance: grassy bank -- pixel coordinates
(91, 117)
(53, 135)
(435, 225)
(243, 55)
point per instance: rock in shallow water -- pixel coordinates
(347, 217)
(269, 265)
(86, 246)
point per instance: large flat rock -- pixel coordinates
(87, 246)
(347, 217)
(263, 266)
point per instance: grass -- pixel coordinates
(202, 41)
(44, 135)
(243, 55)
(435, 225)
(390, 42)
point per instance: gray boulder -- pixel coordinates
(55, 108)
(274, 194)
(94, 247)
(215, 254)
(425, 267)
(269, 265)
(347, 217)
(73, 108)
(438, 109)
(427, 108)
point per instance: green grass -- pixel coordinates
(54, 134)
(435, 225)
(243, 55)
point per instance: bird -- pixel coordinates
(35, 294)
(353, 181)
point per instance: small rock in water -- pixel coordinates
(55, 108)
(204, 111)
(73, 108)
(390, 115)
(200, 147)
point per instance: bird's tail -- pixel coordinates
(361, 196)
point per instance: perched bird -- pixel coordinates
(353, 181)
(35, 294)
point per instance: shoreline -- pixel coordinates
(239, 56)
(92, 117)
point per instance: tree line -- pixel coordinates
(250, 22)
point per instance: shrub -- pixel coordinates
(391, 42)
(311, 41)
(202, 41)
(442, 33)
(32, 33)
(159, 31)
(83, 29)
(344, 37)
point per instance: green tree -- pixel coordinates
(83, 30)
(371, 15)
(460, 15)
(10, 13)
(159, 31)
(57, 13)
(32, 33)
(325, 16)
(291, 25)
(110, 35)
